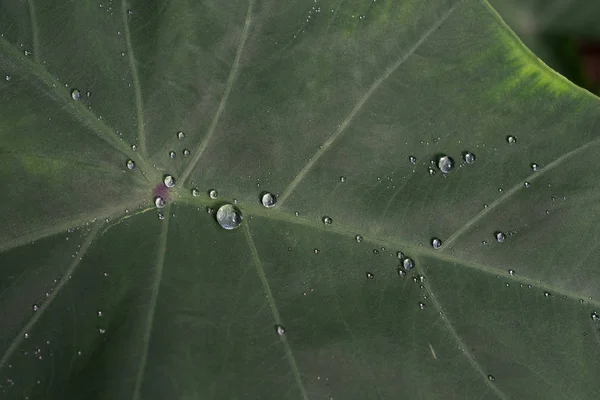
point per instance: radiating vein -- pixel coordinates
(518, 186)
(14, 345)
(34, 31)
(271, 300)
(228, 86)
(136, 81)
(158, 274)
(461, 345)
(342, 127)
(62, 226)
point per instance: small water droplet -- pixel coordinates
(491, 377)
(500, 236)
(35, 307)
(535, 167)
(412, 160)
(342, 179)
(370, 275)
(527, 185)
(327, 220)
(160, 216)
(469, 157)
(172, 154)
(195, 192)
(180, 135)
(133, 147)
(595, 316)
(130, 164)
(8, 77)
(511, 139)
(316, 251)
(26, 335)
(100, 313)
(422, 305)
(186, 152)
(401, 272)
(169, 181)
(229, 216)
(431, 170)
(297, 214)
(102, 331)
(547, 295)
(213, 194)
(375, 251)
(436, 243)
(358, 238)
(408, 263)
(268, 199)
(75, 94)
(210, 210)
(280, 330)
(159, 202)
(400, 255)
(511, 272)
(445, 163)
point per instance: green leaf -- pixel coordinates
(102, 299)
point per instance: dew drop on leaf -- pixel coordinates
(102, 331)
(8, 77)
(547, 295)
(370, 275)
(172, 154)
(400, 255)
(169, 181)
(431, 170)
(358, 238)
(195, 192)
(422, 305)
(527, 185)
(469, 157)
(375, 251)
(408, 263)
(186, 152)
(511, 139)
(500, 236)
(268, 199)
(491, 377)
(445, 163)
(327, 220)
(342, 179)
(133, 147)
(229, 216)
(213, 194)
(160, 216)
(595, 316)
(297, 214)
(401, 272)
(35, 307)
(26, 335)
(511, 272)
(535, 167)
(75, 94)
(412, 159)
(130, 164)
(436, 243)
(316, 251)
(180, 135)
(159, 202)
(280, 330)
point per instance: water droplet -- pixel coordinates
(26, 335)
(297, 214)
(210, 210)
(408, 263)
(412, 159)
(133, 147)
(130, 164)
(159, 202)
(422, 305)
(401, 272)
(375, 251)
(535, 167)
(213, 194)
(469, 157)
(327, 220)
(527, 184)
(280, 330)
(102, 331)
(491, 377)
(431, 170)
(511, 139)
(35, 307)
(436, 243)
(100, 313)
(169, 181)
(268, 199)
(342, 179)
(370, 275)
(445, 163)
(316, 251)
(358, 238)
(500, 236)
(229, 216)
(547, 295)
(595, 316)
(195, 192)
(511, 272)
(172, 154)
(8, 77)
(180, 135)
(186, 152)
(400, 255)
(160, 216)
(75, 94)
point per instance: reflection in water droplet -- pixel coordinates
(75, 94)
(180, 135)
(130, 164)
(159, 202)
(445, 164)
(527, 185)
(195, 192)
(342, 179)
(358, 238)
(535, 167)
(491, 377)
(511, 272)
(408, 263)
(172, 154)
(436, 243)
(469, 157)
(213, 194)
(370, 275)
(327, 220)
(422, 305)
(268, 199)
(595, 316)
(511, 139)
(229, 216)
(169, 181)
(280, 330)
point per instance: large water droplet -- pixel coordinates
(469, 157)
(75, 94)
(358, 238)
(229, 216)
(500, 236)
(169, 181)
(130, 164)
(159, 202)
(213, 194)
(268, 199)
(436, 243)
(445, 163)
(280, 330)
(408, 263)
(327, 220)
(195, 192)
(511, 139)
(180, 135)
